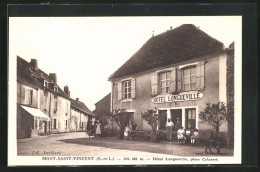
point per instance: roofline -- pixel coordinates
(102, 98)
(21, 79)
(81, 110)
(146, 71)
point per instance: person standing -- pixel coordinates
(169, 125)
(98, 128)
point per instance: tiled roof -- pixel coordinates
(183, 43)
(81, 106)
(104, 98)
(25, 71)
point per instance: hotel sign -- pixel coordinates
(187, 96)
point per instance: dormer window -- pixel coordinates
(45, 83)
(34, 76)
(55, 89)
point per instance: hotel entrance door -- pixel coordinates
(176, 118)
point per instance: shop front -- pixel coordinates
(181, 116)
(32, 122)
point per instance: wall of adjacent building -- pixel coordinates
(25, 120)
(77, 117)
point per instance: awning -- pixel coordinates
(36, 113)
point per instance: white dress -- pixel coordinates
(98, 130)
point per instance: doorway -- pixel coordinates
(45, 126)
(126, 117)
(176, 118)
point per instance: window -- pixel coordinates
(29, 96)
(189, 79)
(190, 118)
(67, 109)
(55, 105)
(164, 79)
(127, 89)
(66, 124)
(45, 83)
(55, 89)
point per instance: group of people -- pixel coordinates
(183, 135)
(128, 129)
(186, 135)
(94, 128)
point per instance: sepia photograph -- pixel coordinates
(125, 90)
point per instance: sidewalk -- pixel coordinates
(163, 147)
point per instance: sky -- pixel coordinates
(85, 51)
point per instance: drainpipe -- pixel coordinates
(111, 102)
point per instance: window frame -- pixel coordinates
(167, 86)
(55, 105)
(128, 87)
(55, 89)
(190, 76)
(45, 83)
(192, 118)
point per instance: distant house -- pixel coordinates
(81, 116)
(42, 106)
(103, 104)
(175, 73)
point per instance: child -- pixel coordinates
(180, 135)
(194, 136)
(126, 133)
(188, 134)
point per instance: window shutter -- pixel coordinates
(154, 83)
(173, 81)
(179, 85)
(52, 123)
(200, 75)
(133, 88)
(26, 97)
(119, 85)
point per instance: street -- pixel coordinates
(79, 144)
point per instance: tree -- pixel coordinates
(118, 116)
(104, 117)
(151, 117)
(214, 115)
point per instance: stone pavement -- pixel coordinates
(79, 144)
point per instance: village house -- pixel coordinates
(175, 73)
(42, 106)
(81, 116)
(103, 106)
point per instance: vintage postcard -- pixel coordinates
(124, 90)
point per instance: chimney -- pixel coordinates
(53, 76)
(77, 99)
(66, 90)
(34, 64)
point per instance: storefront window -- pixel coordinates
(164, 82)
(191, 118)
(189, 79)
